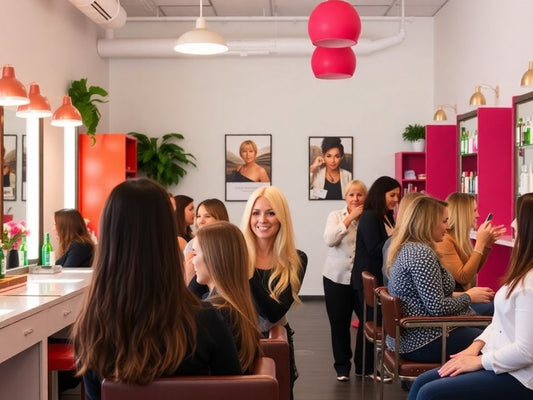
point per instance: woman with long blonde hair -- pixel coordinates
(277, 268)
(139, 321)
(221, 262)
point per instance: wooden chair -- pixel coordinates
(276, 346)
(261, 385)
(394, 322)
(372, 331)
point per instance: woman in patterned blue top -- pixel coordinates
(424, 287)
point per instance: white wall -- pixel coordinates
(204, 99)
(51, 42)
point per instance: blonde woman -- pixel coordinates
(249, 171)
(417, 278)
(277, 268)
(220, 259)
(456, 252)
(339, 235)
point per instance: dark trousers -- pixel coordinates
(480, 384)
(340, 306)
(358, 357)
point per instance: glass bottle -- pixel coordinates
(527, 132)
(518, 132)
(23, 253)
(2, 264)
(47, 251)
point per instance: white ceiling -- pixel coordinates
(278, 8)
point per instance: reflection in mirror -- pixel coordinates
(22, 165)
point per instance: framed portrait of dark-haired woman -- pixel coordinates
(330, 166)
(248, 165)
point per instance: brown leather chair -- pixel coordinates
(393, 323)
(261, 385)
(277, 348)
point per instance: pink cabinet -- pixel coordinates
(415, 163)
(441, 160)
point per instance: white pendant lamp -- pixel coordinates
(201, 41)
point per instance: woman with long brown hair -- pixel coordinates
(221, 262)
(139, 321)
(76, 246)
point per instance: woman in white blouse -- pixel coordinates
(499, 363)
(339, 235)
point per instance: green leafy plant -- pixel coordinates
(164, 163)
(414, 132)
(82, 99)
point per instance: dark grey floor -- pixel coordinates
(317, 380)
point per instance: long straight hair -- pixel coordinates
(522, 254)
(70, 228)
(138, 320)
(286, 265)
(226, 258)
(182, 202)
(461, 212)
(375, 198)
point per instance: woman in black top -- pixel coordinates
(375, 226)
(184, 218)
(76, 246)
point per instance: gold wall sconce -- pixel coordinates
(527, 78)
(440, 114)
(478, 99)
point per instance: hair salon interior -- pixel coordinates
(436, 55)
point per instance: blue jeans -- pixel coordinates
(483, 308)
(458, 340)
(480, 384)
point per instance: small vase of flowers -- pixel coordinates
(12, 236)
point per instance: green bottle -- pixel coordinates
(2, 264)
(23, 253)
(46, 251)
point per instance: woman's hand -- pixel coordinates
(480, 294)
(319, 162)
(356, 212)
(487, 234)
(461, 363)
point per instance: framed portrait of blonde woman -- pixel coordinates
(248, 164)
(330, 166)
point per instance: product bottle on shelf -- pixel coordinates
(518, 132)
(47, 252)
(527, 132)
(2, 264)
(23, 253)
(524, 180)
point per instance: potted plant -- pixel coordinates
(164, 163)
(82, 99)
(416, 134)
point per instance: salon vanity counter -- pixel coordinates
(29, 314)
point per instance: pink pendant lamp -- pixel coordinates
(38, 107)
(66, 114)
(334, 23)
(12, 92)
(333, 63)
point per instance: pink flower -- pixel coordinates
(13, 233)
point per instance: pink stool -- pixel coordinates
(60, 358)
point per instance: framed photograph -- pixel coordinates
(10, 167)
(248, 165)
(330, 166)
(23, 182)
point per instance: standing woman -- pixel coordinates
(375, 226)
(339, 235)
(76, 246)
(184, 218)
(456, 252)
(326, 173)
(139, 321)
(277, 268)
(499, 363)
(220, 259)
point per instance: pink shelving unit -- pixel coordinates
(494, 164)
(410, 160)
(441, 160)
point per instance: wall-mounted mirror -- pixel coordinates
(22, 175)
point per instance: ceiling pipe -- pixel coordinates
(252, 19)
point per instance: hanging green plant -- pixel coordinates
(164, 163)
(82, 99)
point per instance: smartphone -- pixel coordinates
(489, 217)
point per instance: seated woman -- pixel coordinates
(424, 287)
(456, 252)
(76, 246)
(221, 262)
(498, 364)
(139, 322)
(184, 214)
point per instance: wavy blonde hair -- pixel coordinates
(419, 220)
(461, 208)
(286, 265)
(226, 258)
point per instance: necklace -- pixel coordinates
(331, 178)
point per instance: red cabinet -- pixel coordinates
(111, 160)
(415, 163)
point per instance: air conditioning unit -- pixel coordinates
(108, 13)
